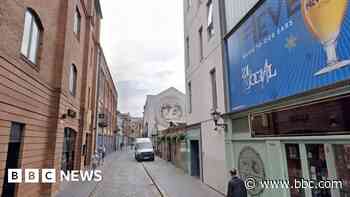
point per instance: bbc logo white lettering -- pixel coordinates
(49, 176)
(31, 176)
(14, 176)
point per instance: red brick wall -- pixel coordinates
(37, 95)
(27, 92)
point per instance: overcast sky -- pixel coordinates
(143, 44)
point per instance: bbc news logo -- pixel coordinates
(50, 176)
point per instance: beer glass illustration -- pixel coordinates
(324, 19)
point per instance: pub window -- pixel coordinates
(328, 117)
(31, 36)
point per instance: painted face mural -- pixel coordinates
(171, 112)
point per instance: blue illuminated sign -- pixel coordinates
(288, 47)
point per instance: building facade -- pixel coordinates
(124, 126)
(136, 125)
(205, 87)
(288, 95)
(172, 146)
(130, 128)
(106, 107)
(48, 61)
(162, 109)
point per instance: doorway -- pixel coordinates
(67, 162)
(13, 155)
(321, 162)
(195, 163)
(87, 150)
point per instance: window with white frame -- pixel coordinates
(77, 22)
(72, 79)
(31, 36)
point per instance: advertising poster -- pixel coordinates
(288, 47)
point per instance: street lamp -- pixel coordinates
(216, 117)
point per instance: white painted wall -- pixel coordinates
(155, 118)
(236, 10)
(198, 73)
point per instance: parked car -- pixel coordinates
(144, 149)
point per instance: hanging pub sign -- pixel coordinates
(288, 47)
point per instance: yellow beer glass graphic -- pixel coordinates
(324, 19)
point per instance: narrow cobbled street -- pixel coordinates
(125, 177)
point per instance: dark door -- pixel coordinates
(68, 150)
(12, 161)
(195, 168)
(88, 149)
(318, 168)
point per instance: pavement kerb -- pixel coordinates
(160, 190)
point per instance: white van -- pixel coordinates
(144, 149)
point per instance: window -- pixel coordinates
(200, 32)
(213, 89)
(89, 98)
(189, 4)
(187, 52)
(77, 22)
(189, 86)
(210, 19)
(31, 36)
(72, 79)
(91, 57)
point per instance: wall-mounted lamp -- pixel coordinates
(63, 116)
(216, 117)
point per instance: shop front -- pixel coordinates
(306, 146)
(324, 161)
(289, 98)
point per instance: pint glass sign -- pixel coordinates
(288, 47)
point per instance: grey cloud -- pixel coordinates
(143, 44)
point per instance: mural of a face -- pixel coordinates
(250, 165)
(134, 125)
(171, 112)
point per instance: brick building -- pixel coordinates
(106, 106)
(49, 56)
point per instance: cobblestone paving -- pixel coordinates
(125, 177)
(122, 177)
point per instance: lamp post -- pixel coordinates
(216, 117)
